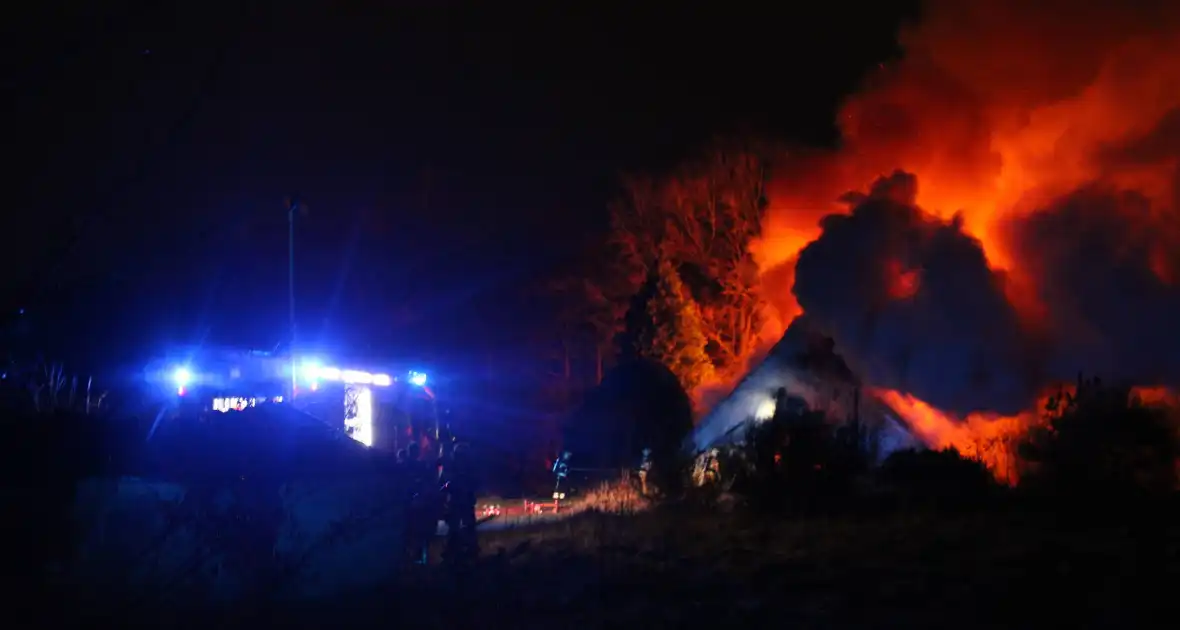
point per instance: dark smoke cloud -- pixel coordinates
(955, 343)
(1106, 264)
(1098, 255)
(1065, 116)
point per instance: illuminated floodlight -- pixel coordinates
(417, 379)
(765, 410)
(181, 376)
(382, 380)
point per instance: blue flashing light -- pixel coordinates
(417, 379)
(181, 376)
(311, 369)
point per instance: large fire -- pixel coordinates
(1023, 226)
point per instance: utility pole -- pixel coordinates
(292, 207)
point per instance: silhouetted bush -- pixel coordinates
(1101, 440)
(798, 459)
(640, 404)
(942, 477)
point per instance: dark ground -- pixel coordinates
(1010, 562)
(1006, 567)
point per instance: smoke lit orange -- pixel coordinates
(1007, 110)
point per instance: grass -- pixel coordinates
(609, 497)
(1003, 568)
(979, 570)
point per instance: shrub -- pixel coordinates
(1100, 439)
(945, 477)
(797, 459)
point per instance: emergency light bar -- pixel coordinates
(359, 377)
(312, 372)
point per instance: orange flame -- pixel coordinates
(999, 107)
(991, 438)
(993, 131)
(988, 437)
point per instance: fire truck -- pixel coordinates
(380, 408)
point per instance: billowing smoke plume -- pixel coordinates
(1029, 228)
(1105, 269)
(910, 301)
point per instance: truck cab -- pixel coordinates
(378, 408)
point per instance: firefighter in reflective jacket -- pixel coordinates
(561, 470)
(713, 466)
(644, 470)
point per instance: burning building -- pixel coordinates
(1013, 222)
(805, 365)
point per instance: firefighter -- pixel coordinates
(561, 470)
(713, 467)
(460, 491)
(420, 509)
(644, 470)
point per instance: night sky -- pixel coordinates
(448, 156)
